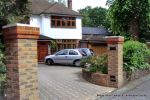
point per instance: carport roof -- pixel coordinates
(43, 37)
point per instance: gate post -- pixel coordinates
(21, 61)
(115, 61)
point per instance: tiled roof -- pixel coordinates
(44, 7)
(94, 34)
(93, 37)
(94, 31)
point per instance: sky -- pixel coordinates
(79, 4)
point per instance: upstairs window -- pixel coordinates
(63, 22)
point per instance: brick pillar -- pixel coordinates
(115, 61)
(21, 61)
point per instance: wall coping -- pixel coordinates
(107, 37)
(114, 39)
(18, 24)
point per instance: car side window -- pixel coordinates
(72, 52)
(63, 52)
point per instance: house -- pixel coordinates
(57, 22)
(93, 38)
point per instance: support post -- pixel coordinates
(21, 61)
(115, 61)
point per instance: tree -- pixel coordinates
(129, 17)
(94, 17)
(12, 11)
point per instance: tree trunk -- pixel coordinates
(134, 28)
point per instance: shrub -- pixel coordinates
(2, 69)
(95, 63)
(136, 56)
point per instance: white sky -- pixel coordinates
(79, 4)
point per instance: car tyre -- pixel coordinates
(49, 62)
(77, 63)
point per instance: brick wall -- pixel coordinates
(21, 62)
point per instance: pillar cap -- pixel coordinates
(19, 24)
(114, 39)
(20, 31)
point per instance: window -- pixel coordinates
(72, 52)
(63, 22)
(63, 52)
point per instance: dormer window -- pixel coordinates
(63, 22)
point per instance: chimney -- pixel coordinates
(70, 4)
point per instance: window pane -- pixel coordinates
(59, 17)
(73, 23)
(63, 52)
(58, 22)
(73, 18)
(68, 23)
(53, 17)
(71, 52)
(63, 23)
(53, 22)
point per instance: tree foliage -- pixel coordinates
(129, 17)
(14, 11)
(94, 17)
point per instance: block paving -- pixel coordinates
(66, 83)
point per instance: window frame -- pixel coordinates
(63, 22)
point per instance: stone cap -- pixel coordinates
(114, 39)
(18, 24)
(20, 31)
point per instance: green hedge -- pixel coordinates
(136, 56)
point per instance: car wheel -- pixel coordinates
(49, 62)
(77, 63)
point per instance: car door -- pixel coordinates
(61, 57)
(73, 55)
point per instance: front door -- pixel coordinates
(42, 50)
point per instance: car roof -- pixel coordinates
(69, 49)
(82, 48)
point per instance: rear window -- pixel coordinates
(83, 52)
(92, 52)
(86, 51)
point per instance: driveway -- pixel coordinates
(66, 83)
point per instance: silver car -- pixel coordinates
(66, 56)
